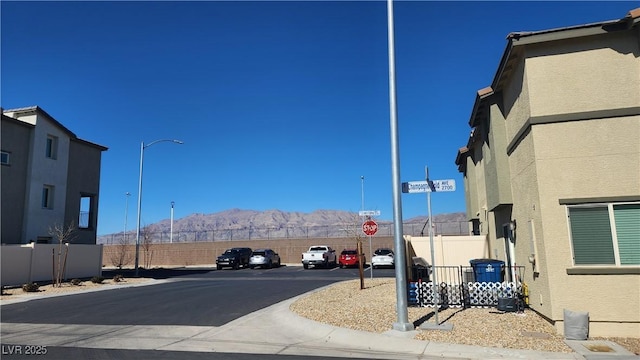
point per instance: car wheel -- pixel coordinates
(252, 267)
(218, 267)
(236, 266)
(306, 266)
(269, 265)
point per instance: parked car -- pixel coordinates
(264, 258)
(349, 257)
(234, 258)
(319, 255)
(383, 257)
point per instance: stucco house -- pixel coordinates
(50, 177)
(552, 170)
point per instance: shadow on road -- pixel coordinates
(157, 273)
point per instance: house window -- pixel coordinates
(52, 147)
(84, 219)
(605, 234)
(44, 240)
(47, 197)
(4, 158)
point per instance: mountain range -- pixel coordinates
(237, 219)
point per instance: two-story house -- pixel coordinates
(552, 170)
(50, 178)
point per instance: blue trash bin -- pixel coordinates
(488, 270)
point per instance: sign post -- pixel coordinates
(430, 186)
(370, 228)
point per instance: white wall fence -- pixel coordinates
(450, 250)
(36, 262)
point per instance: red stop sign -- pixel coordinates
(370, 227)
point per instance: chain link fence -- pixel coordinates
(288, 232)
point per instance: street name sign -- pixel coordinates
(412, 187)
(369, 213)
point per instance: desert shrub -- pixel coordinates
(30, 287)
(118, 278)
(97, 279)
(76, 282)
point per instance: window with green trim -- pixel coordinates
(605, 234)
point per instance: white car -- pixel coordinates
(383, 257)
(265, 258)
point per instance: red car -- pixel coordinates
(350, 258)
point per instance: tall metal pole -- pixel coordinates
(139, 206)
(126, 210)
(171, 231)
(142, 147)
(402, 323)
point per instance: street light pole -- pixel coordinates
(142, 147)
(126, 209)
(402, 323)
(171, 233)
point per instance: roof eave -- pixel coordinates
(477, 105)
(516, 39)
(37, 109)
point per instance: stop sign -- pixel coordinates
(370, 227)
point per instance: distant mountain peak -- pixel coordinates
(236, 218)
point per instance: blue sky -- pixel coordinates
(281, 105)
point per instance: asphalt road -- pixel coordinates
(198, 297)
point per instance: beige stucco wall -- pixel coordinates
(515, 97)
(496, 160)
(572, 128)
(595, 73)
(450, 250)
(470, 189)
(526, 207)
(606, 165)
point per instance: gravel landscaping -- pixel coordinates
(373, 309)
(66, 288)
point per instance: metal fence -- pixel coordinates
(283, 232)
(464, 286)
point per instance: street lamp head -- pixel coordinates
(172, 203)
(161, 140)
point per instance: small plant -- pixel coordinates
(30, 287)
(118, 278)
(76, 282)
(97, 279)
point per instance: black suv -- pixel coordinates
(234, 257)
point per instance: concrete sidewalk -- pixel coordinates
(276, 330)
